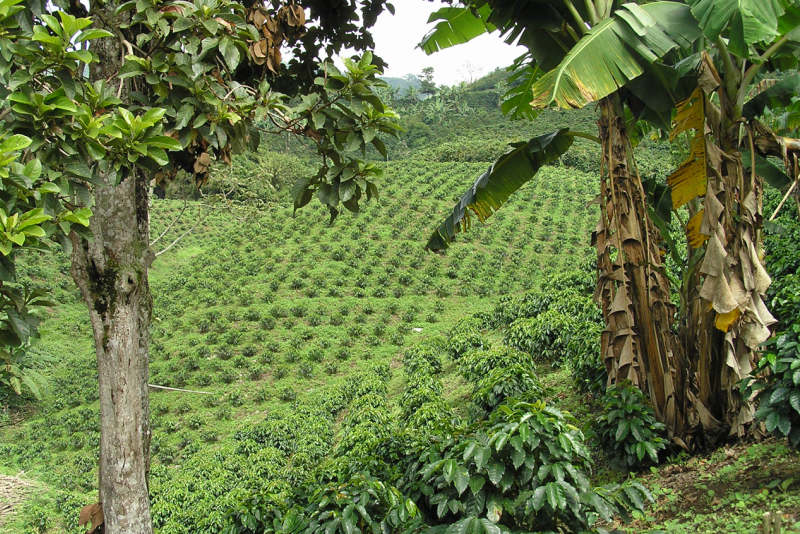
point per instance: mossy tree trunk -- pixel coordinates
(111, 271)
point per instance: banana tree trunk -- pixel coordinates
(727, 318)
(638, 343)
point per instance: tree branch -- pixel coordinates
(182, 390)
(187, 232)
(185, 204)
(783, 200)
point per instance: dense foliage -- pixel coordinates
(775, 381)
(627, 428)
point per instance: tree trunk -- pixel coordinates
(638, 343)
(111, 271)
(728, 318)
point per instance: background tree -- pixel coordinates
(191, 79)
(428, 86)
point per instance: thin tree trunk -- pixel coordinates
(637, 343)
(111, 271)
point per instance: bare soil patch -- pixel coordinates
(13, 492)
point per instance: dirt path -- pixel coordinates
(13, 492)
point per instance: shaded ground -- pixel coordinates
(732, 486)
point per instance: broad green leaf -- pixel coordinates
(153, 116)
(482, 455)
(183, 116)
(158, 155)
(93, 33)
(96, 151)
(469, 449)
(493, 188)
(766, 170)
(635, 496)
(165, 142)
(461, 479)
(49, 187)
(19, 324)
(229, 52)
(552, 492)
(615, 52)
(622, 430)
(457, 25)
(130, 68)
(476, 483)
(538, 498)
(495, 470)
(518, 98)
(494, 510)
(15, 142)
(748, 21)
(472, 525)
(449, 470)
(34, 216)
(33, 386)
(776, 96)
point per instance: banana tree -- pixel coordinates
(612, 54)
(596, 51)
(725, 319)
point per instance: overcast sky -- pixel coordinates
(396, 38)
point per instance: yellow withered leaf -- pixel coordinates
(696, 237)
(690, 180)
(724, 321)
(690, 116)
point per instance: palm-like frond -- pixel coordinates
(505, 176)
(457, 25)
(615, 52)
(748, 21)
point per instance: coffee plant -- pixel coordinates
(627, 428)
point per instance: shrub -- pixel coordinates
(544, 337)
(477, 364)
(465, 336)
(627, 428)
(776, 385)
(424, 354)
(527, 471)
(287, 394)
(280, 372)
(517, 380)
(305, 370)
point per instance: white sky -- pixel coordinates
(396, 38)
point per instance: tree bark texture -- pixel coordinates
(111, 271)
(728, 319)
(637, 343)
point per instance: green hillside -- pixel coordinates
(307, 353)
